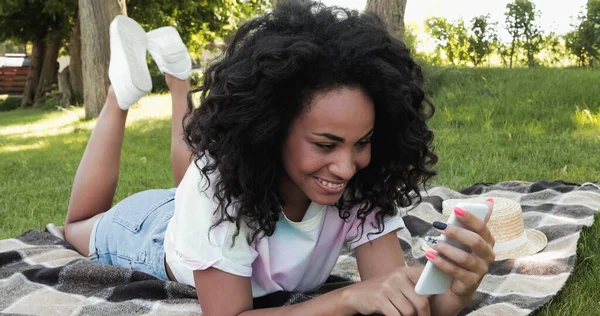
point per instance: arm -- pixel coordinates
(383, 255)
(216, 299)
(379, 257)
(468, 272)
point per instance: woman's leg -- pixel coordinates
(97, 175)
(180, 153)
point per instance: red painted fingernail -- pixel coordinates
(430, 254)
(491, 200)
(459, 211)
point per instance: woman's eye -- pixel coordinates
(325, 146)
(364, 143)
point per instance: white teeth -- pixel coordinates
(331, 185)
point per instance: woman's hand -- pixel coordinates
(392, 294)
(468, 269)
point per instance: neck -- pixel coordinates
(295, 202)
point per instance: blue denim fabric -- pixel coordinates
(131, 234)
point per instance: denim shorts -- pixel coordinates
(131, 234)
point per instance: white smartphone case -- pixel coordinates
(433, 280)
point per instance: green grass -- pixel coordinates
(491, 125)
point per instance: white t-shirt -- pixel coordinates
(299, 256)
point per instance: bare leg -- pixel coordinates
(97, 175)
(180, 153)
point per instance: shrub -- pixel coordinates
(10, 103)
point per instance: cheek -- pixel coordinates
(302, 160)
(363, 158)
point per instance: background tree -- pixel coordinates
(95, 50)
(576, 46)
(44, 24)
(75, 71)
(452, 39)
(589, 31)
(440, 30)
(11, 46)
(200, 23)
(522, 25)
(514, 24)
(460, 41)
(391, 12)
(532, 34)
(553, 50)
(482, 38)
(584, 41)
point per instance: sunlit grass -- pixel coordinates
(491, 125)
(587, 119)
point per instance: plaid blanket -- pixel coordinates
(42, 275)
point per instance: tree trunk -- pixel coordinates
(35, 68)
(75, 79)
(391, 12)
(48, 75)
(512, 52)
(274, 2)
(64, 87)
(95, 50)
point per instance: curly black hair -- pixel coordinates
(269, 74)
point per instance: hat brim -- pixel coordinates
(536, 242)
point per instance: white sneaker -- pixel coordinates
(56, 231)
(169, 52)
(128, 70)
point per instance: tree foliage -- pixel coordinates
(482, 38)
(25, 20)
(201, 23)
(522, 25)
(461, 44)
(584, 41)
(450, 38)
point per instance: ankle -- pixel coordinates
(176, 85)
(111, 100)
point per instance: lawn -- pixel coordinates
(491, 125)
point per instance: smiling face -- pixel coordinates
(327, 145)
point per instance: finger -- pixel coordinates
(478, 245)
(419, 302)
(402, 304)
(465, 276)
(388, 308)
(413, 273)
(490, 205)
(464, 259)
(481, 243)
(470, 220)
(468, 238)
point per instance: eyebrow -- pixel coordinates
(341, 139)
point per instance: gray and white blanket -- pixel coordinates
(42, 275)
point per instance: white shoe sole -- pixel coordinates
(56, 231)
(169, 52)
(128, 70)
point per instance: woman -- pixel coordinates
(311, 132)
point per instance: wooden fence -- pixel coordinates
(13, 79)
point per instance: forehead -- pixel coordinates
(344, 112)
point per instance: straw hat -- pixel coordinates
(506, 225)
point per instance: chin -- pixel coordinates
(325, 199)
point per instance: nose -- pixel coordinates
(343, 166)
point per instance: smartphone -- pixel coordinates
(433, 280)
